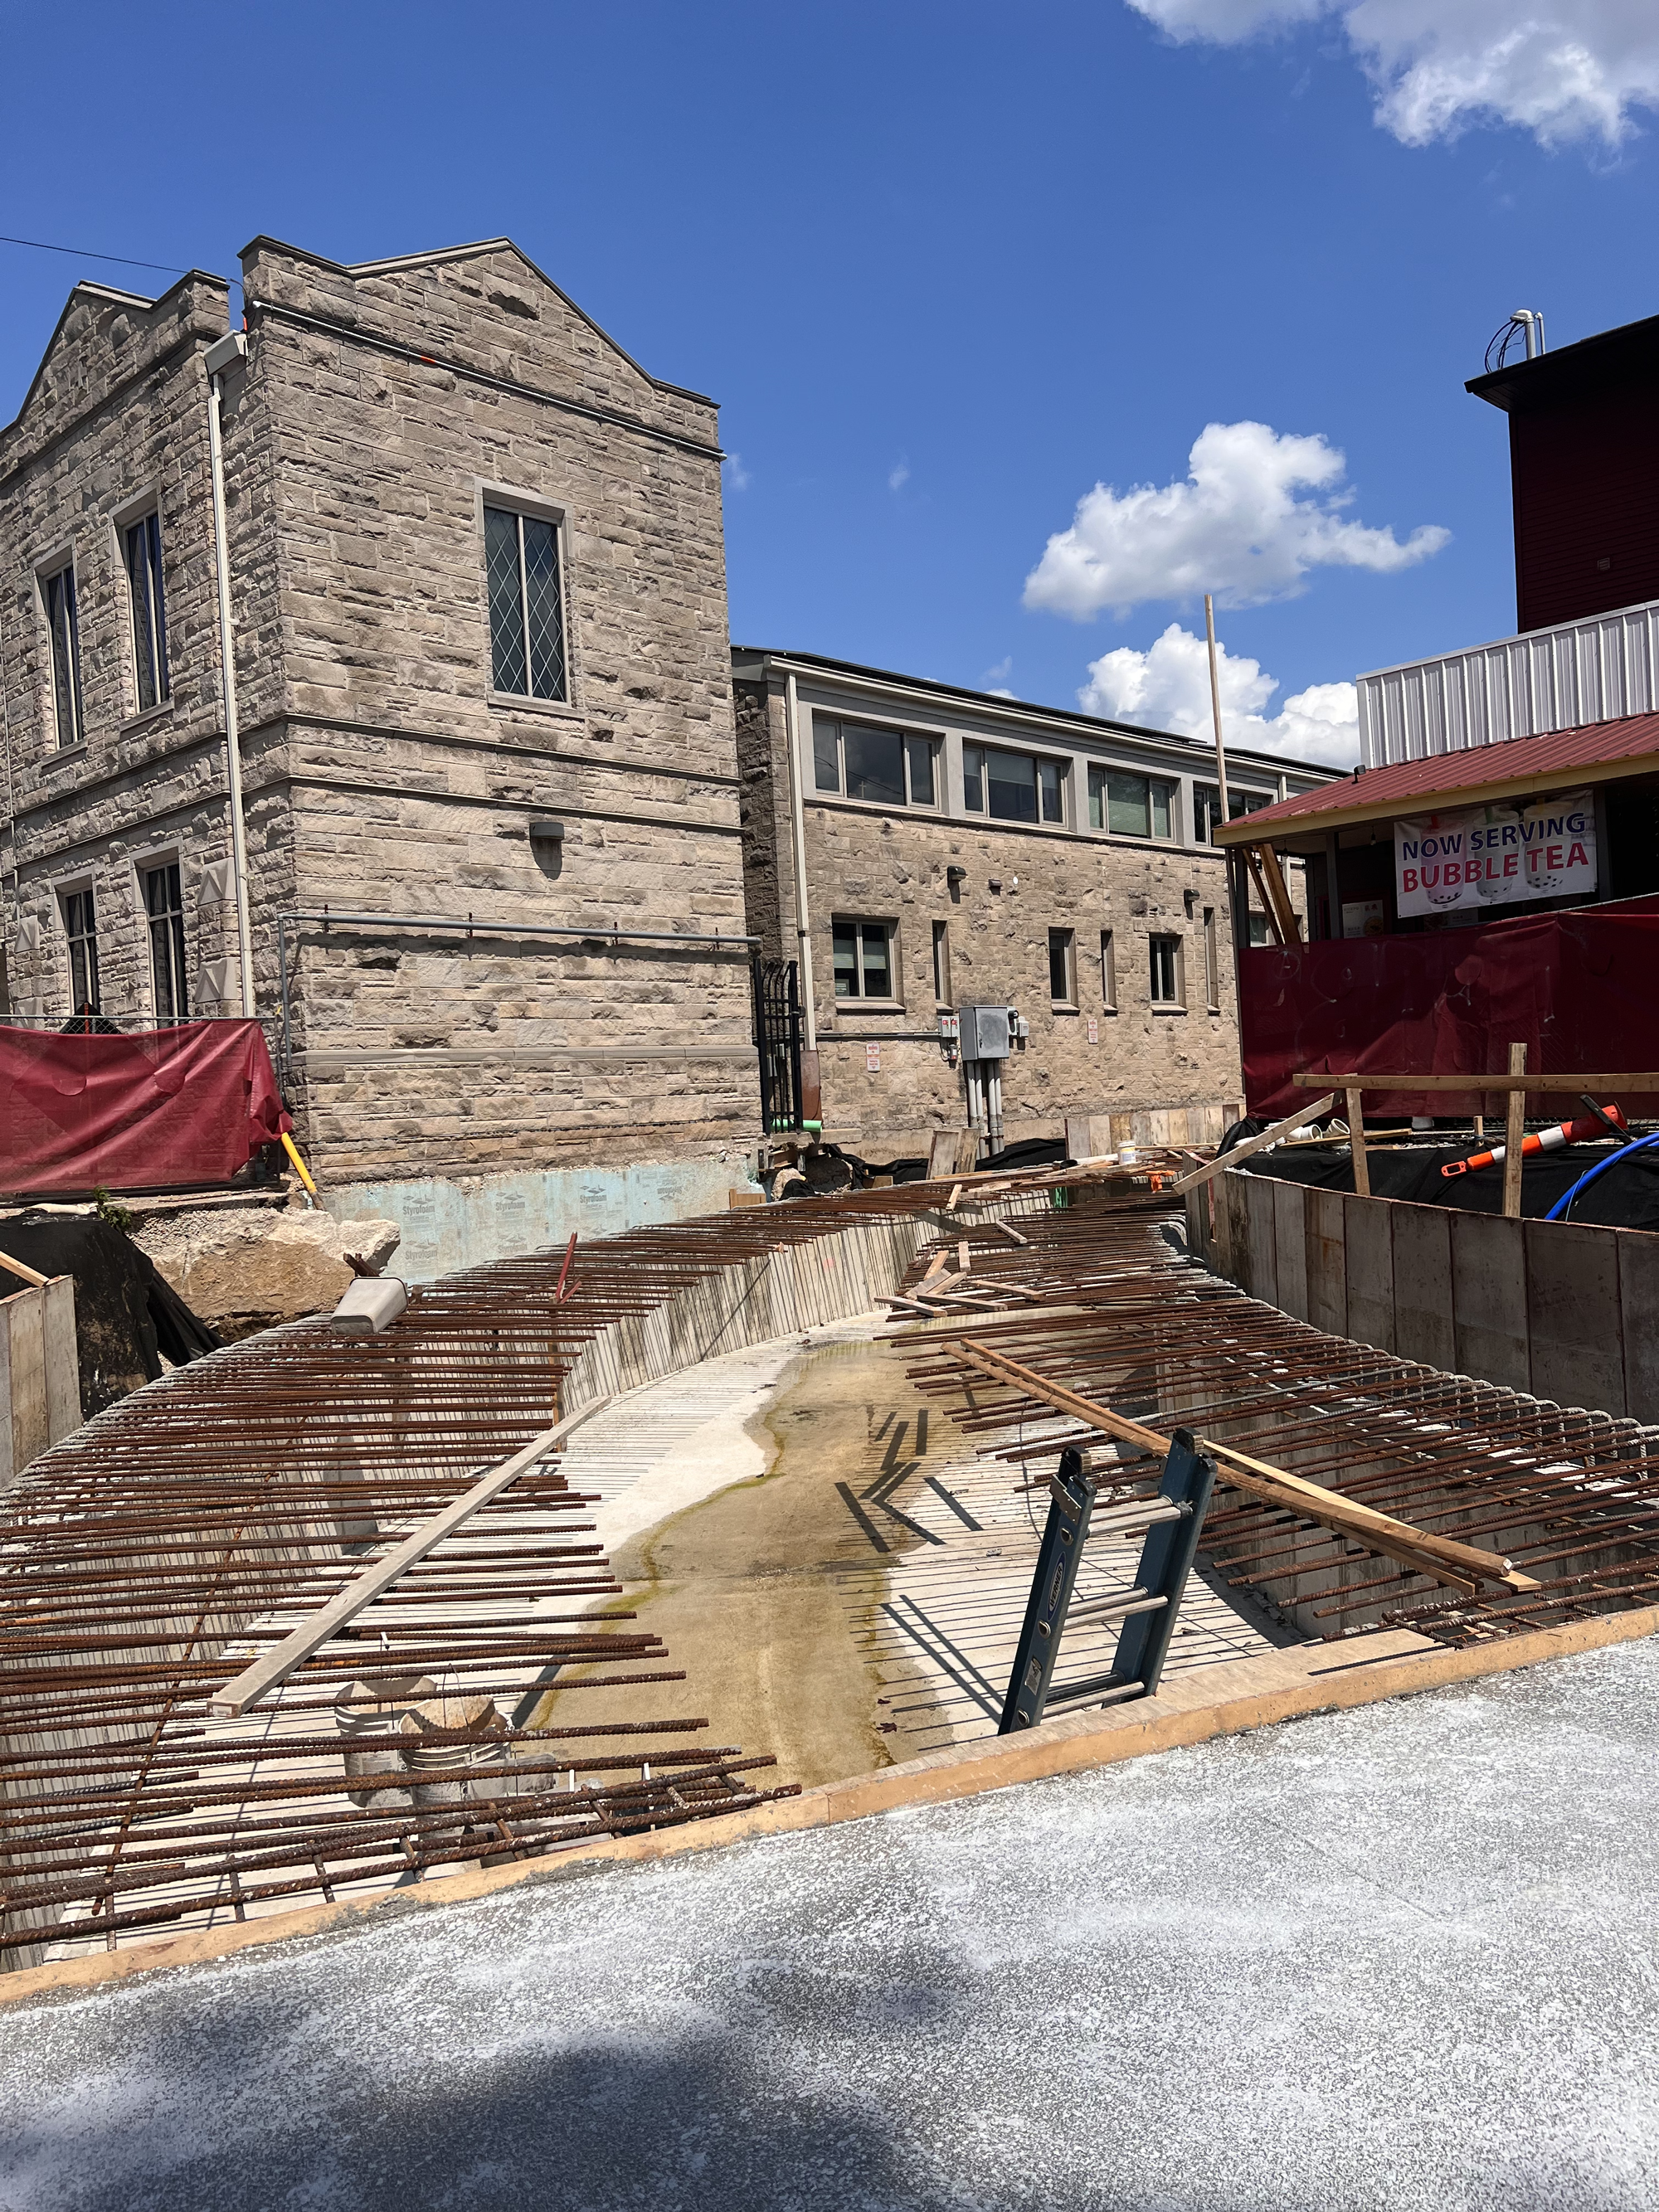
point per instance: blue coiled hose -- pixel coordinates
(1559, 1211)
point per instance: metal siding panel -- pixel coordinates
(1576, 1343)
(1639, 1296)
(1290, 1247)
(1325, 1263)
(1423, 1286)
(1367, 1256)
(1488, 1299)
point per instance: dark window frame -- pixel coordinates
(858, 927)
(1062, 966)
(1240, 800)
(1154, 787)
(1048, 786)
(832, 779)
(164, 915)
(526, 602)
(77, 910)
(61, 604)
(1165, 967)
(141, 557)
(942, 964)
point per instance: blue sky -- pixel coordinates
(945, 268)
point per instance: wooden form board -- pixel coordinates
(39, 1371)
(1562, 1310)
(276, 1666)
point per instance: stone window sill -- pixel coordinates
(161, 712)
(1060, 1007)
(516, 702)
(1169, 1010)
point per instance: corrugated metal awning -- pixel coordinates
(1597, 753)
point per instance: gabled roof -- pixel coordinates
(389, 266)
(89, 288)
(1596, 752)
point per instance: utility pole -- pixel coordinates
(1215, 710)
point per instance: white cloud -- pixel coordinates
(898, 476)
(1168, 688)
(995, 680)
(1236, 527)
(736, 475)
(1560, 69)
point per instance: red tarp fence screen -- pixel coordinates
(1580, 990)
(152, 1110)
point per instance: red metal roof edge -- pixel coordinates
(1371, 792)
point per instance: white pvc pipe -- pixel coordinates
(228, 669)
(798, 847)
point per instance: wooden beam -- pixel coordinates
(1310, 1113)
(1362, 1166)
(1360, 1080)
(278, 1663)
(1462, 1566)
(16, 1267)
(1280, 892)
(1253, 861)
(1516, 1130)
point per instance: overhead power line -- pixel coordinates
(86, 254)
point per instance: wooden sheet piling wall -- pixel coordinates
(1567, 1311)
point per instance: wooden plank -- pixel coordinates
(1290, 927)
(1488, 1299)
(1320, 1077)
(1277, 1485)
(1368, 1267)
(1261, 1248)
(1290, 1245)
(276, 1665)
(1362, 1166)
(1516, 1130)
(1423, 1324)
(1575, 1338)
(1310, 1113)
(1638, 1301)
(1326, 1267)
(1003, 1229)
(16, 1267)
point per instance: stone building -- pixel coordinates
(477, 586)
(954, 847)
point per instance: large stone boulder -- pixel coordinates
(246, 1269)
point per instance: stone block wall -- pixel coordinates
(115, 420)
(1110, 1050)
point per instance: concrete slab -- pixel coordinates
(1392, 1961)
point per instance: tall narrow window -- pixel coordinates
(165, 905)
(63, 624)
(526, 605)
(149, 620)
(81, 929)
(1063, 977)
(1165, 970)
(1108, 972)
(1212, 963)
(826, 753)
(942, 962)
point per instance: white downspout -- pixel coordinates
(797, 849)
(220, 356)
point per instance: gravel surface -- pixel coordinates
(1398, 1958)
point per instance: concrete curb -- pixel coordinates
(1227, 1700)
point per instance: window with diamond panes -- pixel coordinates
(149, 620)
(526, 605)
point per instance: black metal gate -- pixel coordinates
(777, 1034)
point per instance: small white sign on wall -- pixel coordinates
(1093, 1031)
(873, 1059)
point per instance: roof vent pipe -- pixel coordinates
(1531, 320)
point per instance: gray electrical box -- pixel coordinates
(984, 1032)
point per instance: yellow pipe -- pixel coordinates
(292, 1150)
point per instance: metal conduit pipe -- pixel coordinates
(422, 924)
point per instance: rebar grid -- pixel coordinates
(145, 1560)
(1570, 1497)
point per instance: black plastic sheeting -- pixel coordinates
(1625, 1197)
(126, 1317)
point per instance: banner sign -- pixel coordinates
(1494, 855)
